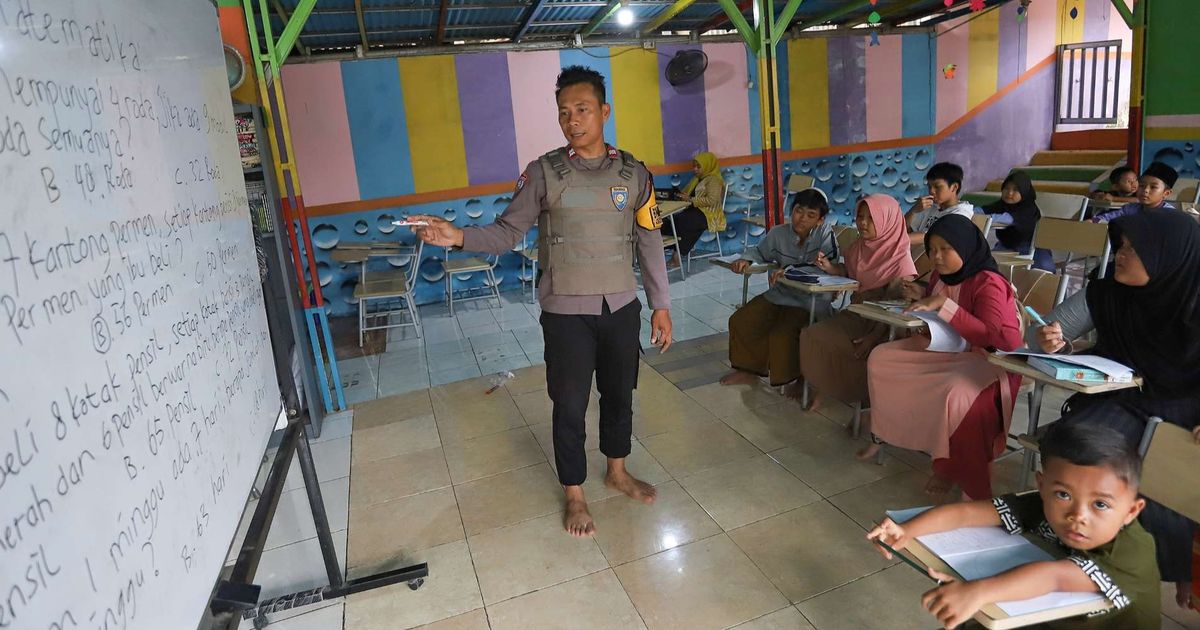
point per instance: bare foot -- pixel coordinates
(938, 486)
(631, 486)
(814, 400)
(577, 520)
(1183, 594)
(869, 451)
(673, 263)
(739, 377)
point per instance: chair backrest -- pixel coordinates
(1036, 288)
(923, 264)
(724, 193)
(845, 235)
(797, 182)
(1169, 455)
(1186, 189)
(1078, 237)
(414, 265)
(1062, 206)
(982, 221)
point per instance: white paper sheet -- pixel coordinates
(731, 258)
(942, 336)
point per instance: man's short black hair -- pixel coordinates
(1089, 444)
(948, 171)
(1119, 172)
(574, 75)
(811, 198)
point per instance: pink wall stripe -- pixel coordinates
(885, 114)
(316, 107)
(1042, 33)
(531, 77)
(726, 112)
(951, 93)
(1117, 29)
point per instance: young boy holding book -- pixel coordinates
(1087, 504)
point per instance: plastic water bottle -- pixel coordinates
(499, 379)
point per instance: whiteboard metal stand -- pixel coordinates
(237, 597)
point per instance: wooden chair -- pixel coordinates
(1186, 190)
(1169, 455)
(472, 264)
(1062, 206)
(983, 222)
(393, 288)
(845, 235)
(1075, 238)
(1036, 288)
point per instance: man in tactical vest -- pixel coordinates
(593, 205)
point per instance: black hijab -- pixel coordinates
(1025, 213)
(966, 239)
(1155, 328)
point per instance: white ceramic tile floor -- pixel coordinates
(482, 338)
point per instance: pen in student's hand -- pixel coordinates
(1034, 314)
(905, 558)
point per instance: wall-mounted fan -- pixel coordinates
(235, 67)
(686, 66)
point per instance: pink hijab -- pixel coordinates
(878, 261)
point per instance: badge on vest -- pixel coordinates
(620, 196)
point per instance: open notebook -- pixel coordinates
(978, 552)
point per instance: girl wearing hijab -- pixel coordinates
(1018, 207)
(1146, 315)
(704, 192)
(834, 352)
(954, 406)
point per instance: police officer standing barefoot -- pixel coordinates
(593, 205)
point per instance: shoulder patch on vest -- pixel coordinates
(620, 196)
(521, 182)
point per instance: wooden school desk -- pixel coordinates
(893, 320)
(1017, 365)
(751, 270)
(813, 290)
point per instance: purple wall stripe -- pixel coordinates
(847, 90)
(685, 132)
(1012, 45)
(489, 134)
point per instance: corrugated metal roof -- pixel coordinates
(334, 24)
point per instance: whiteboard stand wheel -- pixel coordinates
(415, 584)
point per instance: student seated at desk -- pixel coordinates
(764, 334)
(833, 353)
(1153, 190)
(1146, 315)
(1122, 186)
(955, 406)
(945, 183)
(1087, 504)
(705, 192)
(1018, 207)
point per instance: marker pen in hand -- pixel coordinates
(1034, 314)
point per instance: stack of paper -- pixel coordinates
(942, 336)
(1090, 366)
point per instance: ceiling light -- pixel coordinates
(625, 16)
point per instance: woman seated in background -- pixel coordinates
(1018, 207)
(764, 334)
(705, 192)
(955, 406)
(1146, 315)
(833, 353)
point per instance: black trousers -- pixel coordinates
(576, 347)
(690, 224)
(1127, 411)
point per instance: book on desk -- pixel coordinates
(1083, 368)
(973, 553)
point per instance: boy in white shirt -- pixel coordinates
(945, 183)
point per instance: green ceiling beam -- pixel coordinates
(743, 27)
(599, 17)
(291, 30)
(1126, 14)
(832, 14)
(781, 25)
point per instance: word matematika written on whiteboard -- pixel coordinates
(137, 390)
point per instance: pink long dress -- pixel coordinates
(956, 407)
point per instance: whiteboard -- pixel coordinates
(137, 390)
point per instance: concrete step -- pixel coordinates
(1096, 157)
(981, 198)
(1070, 188)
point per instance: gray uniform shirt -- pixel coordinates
(521, 215)
(782, 247)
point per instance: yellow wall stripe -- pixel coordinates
(808, 92)
(430, 89)
(983, 56)
(635, 103)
